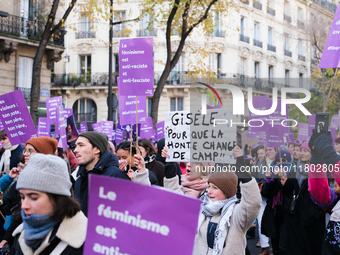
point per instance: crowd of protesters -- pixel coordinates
(44, 193)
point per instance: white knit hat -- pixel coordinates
(46, 173)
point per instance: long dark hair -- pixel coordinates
(146, 144)
(63, 206)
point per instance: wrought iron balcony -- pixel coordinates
(88, 117)
(287, 18)
(244, 38)
(85, 34)
(258, 43)
(146, 32)
(271, 11)
(326, 4)
(120, 33)
(75, 80)
(302, 58)
(244, 1)
(27, 29)
(300, 24)
(271, 47)
(288, 53)
(257, 5)
(217, 34)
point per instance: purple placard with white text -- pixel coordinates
(107, 127)
(303, 133)
(120, 135)
(331, 53)
(97, 127)
(146, 130)
(44, 127)
(83, 127)
(121, 211)
(51, 110)
(127, 109)
(67, 112)
(62, 127)
(311, 124)
(16, 118)
(259, 103)
(160, 130)
(136, 67)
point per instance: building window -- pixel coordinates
(287, 78)
(286, 8)
(301, 80)
(242, 66)
(85, 68)
(216, 17)
(270, 36)
(146, 26)
(243, 26)
(286, 42)
(116, 64)
(25, 76)
(177, 72)
(176, 104)
(85, 109)
(300, 48)
(149, 106)
(257, 69)
(257, 31)
(270, 72)
(119, 16)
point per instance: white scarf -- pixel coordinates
(5, 158)
(210, 208)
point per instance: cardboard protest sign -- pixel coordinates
(123, 219)
(51, 110)
(44, 127)
(136, 67)
(303, 132)
(16, 118)
(146, 130)
(72, 132)
(62, 127)
(107, 127)
(160, 130)
(331, 53)
(83, 127)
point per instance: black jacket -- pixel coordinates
(106, 166)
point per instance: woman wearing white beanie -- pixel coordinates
(52, 221)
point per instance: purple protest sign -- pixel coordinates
(331, 53)
(259, 103)
(136, 67)
(67, 112)
(51, 110)
(303, 133)
(1, 126)
(146, 130)
(125, 210)
(113, 135)
(62, 127)
(97, 127)
(83, 127)
(72, 132)
(160, 130)
(311, 124)
(44, 127)
(16, 118)
(335, 121)
(120, 135)
(107, 127)
(127, 109)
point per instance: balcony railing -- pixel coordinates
(302, 58)
(257, 5)
(287, 18)
(288, 53)
(26, 93)
(146, 32)
(217, 34)
(327, 5)
(120, 33)
(75, 80)
(258, 43)
(244, 38)
(271, 11)
(27, 29)
(85, 34)
(244, 1)
(271, 47)
(300, 24)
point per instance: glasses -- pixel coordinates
(28, 152)
(20, 166)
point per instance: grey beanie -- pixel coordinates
(46, 173)
(97, 139)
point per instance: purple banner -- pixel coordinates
(44, 127)
(120, 135)
(121, 211)
(97, 127)
(62, 127)
(335, 122)
(107, 127)
(160, 130)
(83, 127)
(146, 130)
(16, 118)
(51, 110)
(67, 112)
(331, 53)
(311, 124)
(72, 132)
(127, 109)
(136, 67)
(303, 133)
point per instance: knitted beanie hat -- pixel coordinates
(284, 154)
(97, 139)
(305, 146)
(337, 140)
(45, 173)
(44, 144)
(225, 181)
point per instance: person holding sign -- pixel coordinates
(52, 221)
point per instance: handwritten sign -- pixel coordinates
(16, 118)
(123, 219)
(136, 67)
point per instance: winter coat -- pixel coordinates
(71, 233)
(14, 159)
(158, 168)
(106, 166)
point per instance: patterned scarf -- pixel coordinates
(36, 228)
(149, 159)
(210, 208)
